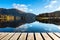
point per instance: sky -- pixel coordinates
(32, 6)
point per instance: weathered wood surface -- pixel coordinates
(29, 36)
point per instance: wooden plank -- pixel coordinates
(0, 32)
(53, 36)
(23, 36)
(38, 36)
(58, 34)
(3, 35)
(30, 36)
(46, 37)
(15, 36)
(8, 36)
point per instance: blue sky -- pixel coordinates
(33, 6)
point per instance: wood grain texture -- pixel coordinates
(3, 35)
(46, 36)
(29, 36)
(8, 36)
(58, 34)
(38, 36)
(54, 36)
(15, 36)
(23, 36)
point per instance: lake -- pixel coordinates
(33, 27)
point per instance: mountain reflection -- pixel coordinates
(14, 18)
(52, 18)
(13, 24)
(9, 21)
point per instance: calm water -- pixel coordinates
(33, 27)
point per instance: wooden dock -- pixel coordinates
(29, 36)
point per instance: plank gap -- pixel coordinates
(30, 36)
(18, 37)
(42, 36)
(38, 36)
(53, 36)
(56, 35)
(50, 36)
(4, 36)
(34, 36)
(26, 36)
(11, 36)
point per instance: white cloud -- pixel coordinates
(58, 8)
(51, 4)
(21, 28)
(30, 10)
(59, 27)
(22, 7)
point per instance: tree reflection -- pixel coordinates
(15, 21)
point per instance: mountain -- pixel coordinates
(53, 17)
(23, 17)
(15, 12)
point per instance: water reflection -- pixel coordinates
(15, 21)
(28, 23)
(33, 27)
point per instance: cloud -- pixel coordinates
(30, 10)
(51, 4)
(48, 29)
(59, 27)
(22, 7)
(58, 8)
(23, 27)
